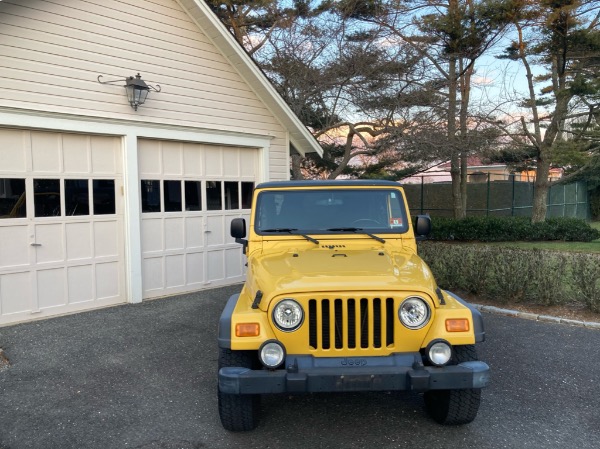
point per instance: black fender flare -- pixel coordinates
(224, 332)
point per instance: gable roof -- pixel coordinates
(300, 138)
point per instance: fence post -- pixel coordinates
(422, 194)
(564, 200)
(577, 199)
(532, 197)
(512, 201)
(487, 200)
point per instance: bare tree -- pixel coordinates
(375, 80)
(450, 36)
(332, 73)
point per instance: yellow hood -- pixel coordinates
(324, 269)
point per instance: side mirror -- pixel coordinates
(238, 232)
(238, 228)
(422, 227)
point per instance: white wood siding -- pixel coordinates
(53, 51)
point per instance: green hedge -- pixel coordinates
(506, 229)
(516, 275)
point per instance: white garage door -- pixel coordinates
(61, 223)
(189, 195)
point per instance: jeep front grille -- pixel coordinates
(351, 323)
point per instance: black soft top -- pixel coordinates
(328, 183)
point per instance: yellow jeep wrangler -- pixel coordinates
(337, 299)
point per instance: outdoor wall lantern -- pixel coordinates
(136, 89)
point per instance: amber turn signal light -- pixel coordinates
(247, 330)
(457, 325)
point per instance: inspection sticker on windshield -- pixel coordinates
(395, 222)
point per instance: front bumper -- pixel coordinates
(306, 374)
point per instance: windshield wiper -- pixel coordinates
(358, 231)
(292, 231)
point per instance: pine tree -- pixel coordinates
(561, 36)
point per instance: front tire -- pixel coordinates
(455, 407)
(238, 412)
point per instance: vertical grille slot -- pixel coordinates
(325, 332)
(339, 324)
(312, 324)
(389, 321)
(364, 323)
(351, 323)
(377, 323)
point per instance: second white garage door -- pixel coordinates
(189, 194)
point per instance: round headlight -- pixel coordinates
(288, 315)
(439, 352)
(271, 354)
(414, 312)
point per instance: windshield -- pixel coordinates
(330, 211)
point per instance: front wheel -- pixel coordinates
(455, 407)
(238, 412)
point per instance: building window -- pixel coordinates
(247, 191)
(150, 195)
(193, 195)
(187, 195)
(213, 195)
(172, 196)
(77, 199)
(12, 198)
(232, 196)
(46, 197)
(104, 196)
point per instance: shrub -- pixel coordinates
(507, 274)
(503, 229)
(568, 229)
(514, 275)
(547, 282)
(585, 269)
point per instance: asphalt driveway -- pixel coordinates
(129, 376)
(143, 376)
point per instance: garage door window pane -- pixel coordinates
(104, 196)
(12, 198)
(232, 197)
(77, 199)
(247, 189)
(193, 195)
(172, 199)
(46, 199)
(213, 195)
(150, 196)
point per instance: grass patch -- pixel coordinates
(590, 247)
